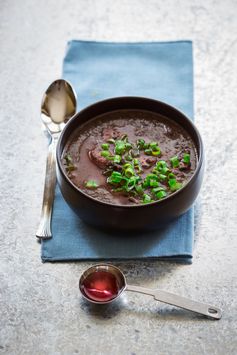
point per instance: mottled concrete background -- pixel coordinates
(41, 310)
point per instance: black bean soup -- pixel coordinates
(129, 157)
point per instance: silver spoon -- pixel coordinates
(58, 106)
(104, 283)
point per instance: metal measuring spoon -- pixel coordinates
(104, 283)
(58, 106)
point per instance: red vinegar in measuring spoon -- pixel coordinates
(100, 286)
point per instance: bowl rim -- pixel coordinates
(111, 99)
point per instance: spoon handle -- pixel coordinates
(44, 229)
(179, 301)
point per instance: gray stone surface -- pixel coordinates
(41, 311)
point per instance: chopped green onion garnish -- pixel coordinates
(154, 145)
(140, 143)
(153, 183)
(119, 146)
(105, 146)
(155, 153)
(115, 177)
(131, 183)
(171, 176)
(161, 194)
(174, 185)
(128, 157)
(139, 189)
(91, 184)
(157, 189)
(128, 146)
(147, 198)
(161, 165)
(172, 182)
(148, 151)
(125, 173)
(117, 159)
(105, 153)
(177, 186)
(129, 172)
(174, 161)
(148, 179)
(162, 177)
(186, 158)
(152, 176)
(127, 165)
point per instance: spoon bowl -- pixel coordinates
(104, 283)
(57, 107)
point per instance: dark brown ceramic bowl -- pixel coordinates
(138, 217)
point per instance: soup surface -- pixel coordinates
(129, 157)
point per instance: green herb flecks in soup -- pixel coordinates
(130, 157)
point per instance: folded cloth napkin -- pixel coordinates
(98, 70)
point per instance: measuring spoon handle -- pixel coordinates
(179, 301)
(44, 229)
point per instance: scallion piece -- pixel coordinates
(157, 189)
(120, 147)
(139, 189)
(105, 146)
(91, 184)
(153, 183)
(105, 153)
(162, 177)
(117, 159)
(128, 157)
(161, 166)
(131, 183)
(146, 198)
(148, 151)
(174, 161)
(154, 145)
(155, 153)
(161, 194)
(174, 185)
(172, 182)
(127, 165)
(140, 143)
(171, 176)
(129, 172)
(152, 176)
(186, 158)
(128, 146)
(115, 178)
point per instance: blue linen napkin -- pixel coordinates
(99, 70)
